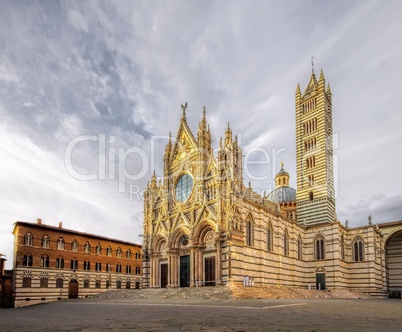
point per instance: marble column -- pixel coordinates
(200, 266)
(192, 267)
(218, 260)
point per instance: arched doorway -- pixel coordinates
(393, 250)
(73, 289)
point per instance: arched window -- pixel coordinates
(74, 246)
(358, 250)
(269, 238)
(60, 263)
(249, 233)
(86, 283)
(87, 265)
(319, 248)
(137, 255)
(98, 249)
(137, 270)
(118, 284)
(28, 239)
(311, 195)
(118, 252)
(45, 241)
(60, 244)
(128, 253)
(27, 261)
(87, 248)
(299, 248)
(44, 261)
(286, 243)
(74, 264)
(128, 269)
(109, 251)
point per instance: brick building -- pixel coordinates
(6, 286)
(52, 263)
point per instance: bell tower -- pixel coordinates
(314, 153)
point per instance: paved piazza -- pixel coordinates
(207, 315)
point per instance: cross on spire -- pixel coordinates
(312, 64)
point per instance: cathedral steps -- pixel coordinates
(272, 292)
(377, 294)
(234, 292)
(219, 292)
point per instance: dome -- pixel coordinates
(282, 171)
(282, 194)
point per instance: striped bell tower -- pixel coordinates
(315, 195)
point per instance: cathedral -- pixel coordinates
(204, 227)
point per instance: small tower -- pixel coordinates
(314, 153)
(282, 178)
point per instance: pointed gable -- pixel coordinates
(212, 168)
(185, 142)
(312, 86)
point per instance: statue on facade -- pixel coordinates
(183, 107)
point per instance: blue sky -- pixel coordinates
(121, 69)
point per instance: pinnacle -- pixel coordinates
(322, 75)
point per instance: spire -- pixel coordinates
(321, 76)
(228, 135)
(321, 80)
(312, 85)
(329, 89)
(168, 148)
(203, 122)
(204, 136)
(298, 88)
(153, 180)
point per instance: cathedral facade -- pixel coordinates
(204, 227)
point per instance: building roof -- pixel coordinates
(70, 231)
(282, 194)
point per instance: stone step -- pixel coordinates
(378, 294)
(218, 292)
(226, 292)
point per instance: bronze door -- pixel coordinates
(164, 275)
(185, 271)
(210, 271)
(320, 281)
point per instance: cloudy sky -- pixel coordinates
(90, 90)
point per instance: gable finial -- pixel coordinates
(183, 107)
